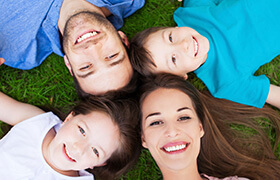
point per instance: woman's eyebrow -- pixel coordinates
(183, 108)
(153, 114)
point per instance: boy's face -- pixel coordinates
(83, 141)
(177, 50)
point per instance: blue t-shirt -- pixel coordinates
(29, 31)
(243, 35)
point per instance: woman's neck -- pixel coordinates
(71, 7)
(190, 173)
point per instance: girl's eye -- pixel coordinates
(156, 123)
(95, 152)
(170, 38)
(82, 131)
(112, 56)
(184, 118)
(173, 59)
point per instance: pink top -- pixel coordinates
(226, 178)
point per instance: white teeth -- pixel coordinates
(87, 35)
(195, 47)
(175, 148)
(68, 154)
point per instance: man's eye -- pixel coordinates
(95, 152)
(184, 118)
(156, 123)
(173, 59)
(170, 38)
(85, 67)
(82, 131)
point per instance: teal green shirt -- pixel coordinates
(243, 35)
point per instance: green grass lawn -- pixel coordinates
(51, 85)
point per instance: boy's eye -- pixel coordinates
(173, 59)
(82, 131)
(95, 152)
(170, 38)
(156, 123)
(184, 118)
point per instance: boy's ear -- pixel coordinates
(124, 38)
(186, 76)
(67, 64)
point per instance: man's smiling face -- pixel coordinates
(95, 53)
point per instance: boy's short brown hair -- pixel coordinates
(140, 58)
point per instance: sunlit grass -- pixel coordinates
(51, 85)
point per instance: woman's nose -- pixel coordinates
(172, 131)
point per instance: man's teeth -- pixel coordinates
(69, 154)
(195, 47)
(175, 148)
(87, 35)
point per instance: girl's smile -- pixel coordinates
(83, 141)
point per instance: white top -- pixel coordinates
(21, 154)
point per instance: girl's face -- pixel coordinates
(171, 129)
(177, 50)
(83, 141)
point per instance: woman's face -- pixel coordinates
(171, 129)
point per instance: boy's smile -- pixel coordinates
(177, 50)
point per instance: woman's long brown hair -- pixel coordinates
(236, 140)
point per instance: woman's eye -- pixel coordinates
(173, 59)
(155, 123)
(170, 38)
(82, 131)
(95, 152)
(184, 118)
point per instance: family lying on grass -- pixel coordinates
(190, 134)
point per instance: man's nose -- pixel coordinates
(94, 49)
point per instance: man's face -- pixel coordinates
(95, 54)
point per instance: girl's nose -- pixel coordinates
(80, 147)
